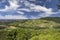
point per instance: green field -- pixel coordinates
(40, 29)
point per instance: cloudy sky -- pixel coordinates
(28, 9)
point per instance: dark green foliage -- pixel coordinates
(55, 19)
(40, 29)
(12, 35)
(30, 34)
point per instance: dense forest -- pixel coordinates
(36, 29)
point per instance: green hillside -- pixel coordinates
(39, 29)
(42, 23)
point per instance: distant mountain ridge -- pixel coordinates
(45, 18)
(42, 22)
(33, 23)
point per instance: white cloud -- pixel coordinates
(32, 0)
(38, 8)
(24, 9)
(32, 7)
(6, 9)
(13, 6)
(13, 17)
(20, 12)
(29, 7)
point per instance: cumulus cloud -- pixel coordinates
(13, 17)
(24, 9)
(43, 15)
(29, 7)
(13, 7)
(39, 8)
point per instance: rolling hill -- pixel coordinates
(39, 29)
(42, 23)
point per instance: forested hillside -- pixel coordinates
(39, 29)
(41, 23)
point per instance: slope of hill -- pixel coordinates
(39, 29)
(42, 23)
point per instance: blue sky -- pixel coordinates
(28, 9)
